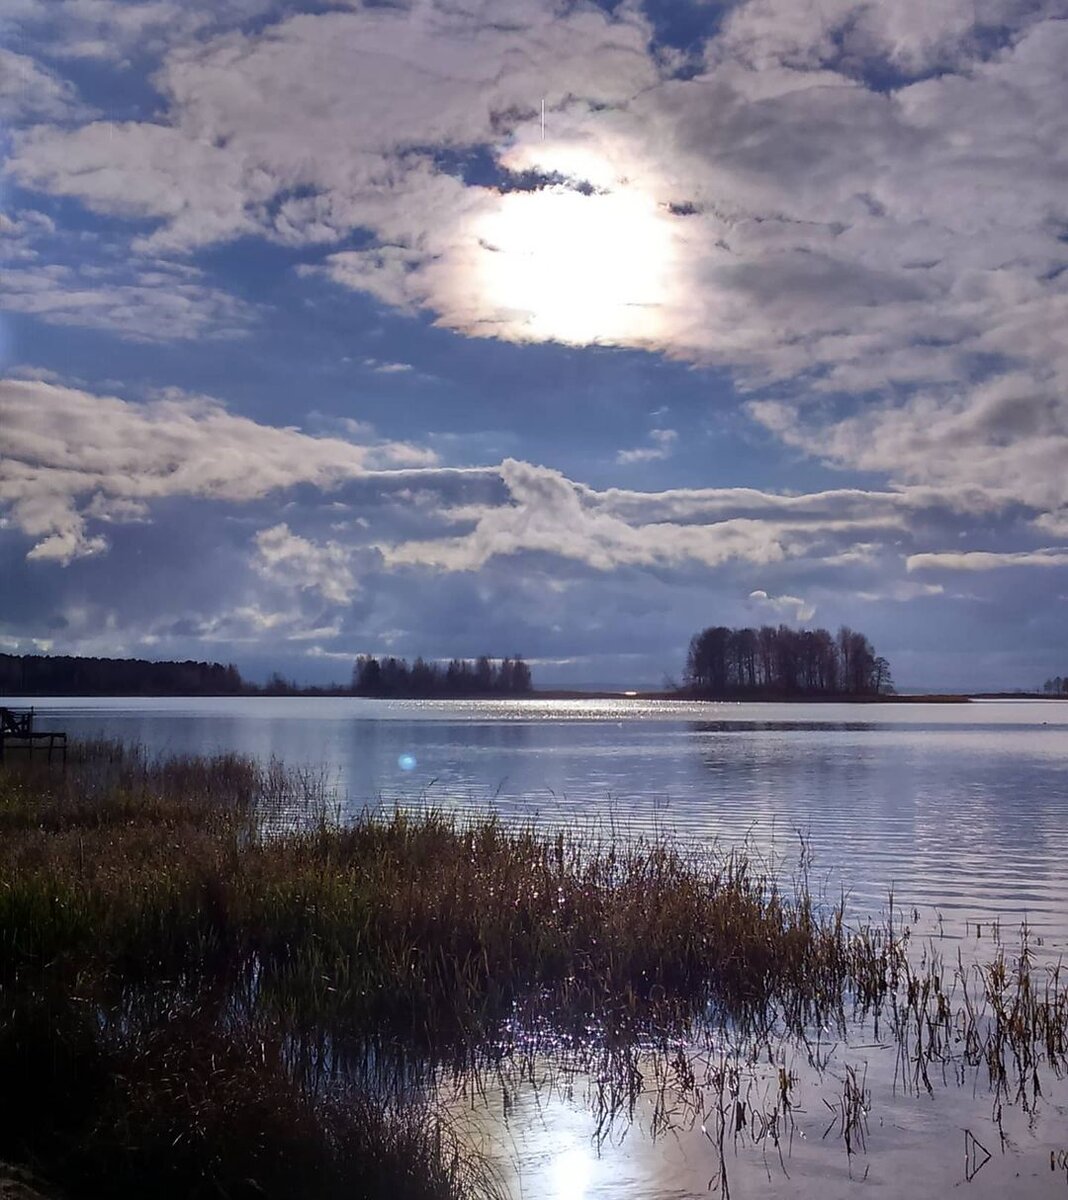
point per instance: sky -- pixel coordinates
(562, 329)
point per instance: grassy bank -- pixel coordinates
(212, 988)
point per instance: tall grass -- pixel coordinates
(422, 923)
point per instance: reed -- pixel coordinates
(419, 922)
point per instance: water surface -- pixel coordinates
(960, 809)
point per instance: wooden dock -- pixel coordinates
(17, 733)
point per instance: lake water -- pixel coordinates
(962, 809)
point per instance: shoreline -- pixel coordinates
(551, 694)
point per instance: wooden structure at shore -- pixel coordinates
(17, 733)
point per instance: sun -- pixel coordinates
(579, 265)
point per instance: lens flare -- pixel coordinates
(407, 762)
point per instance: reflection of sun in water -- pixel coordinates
(571, 1174)
(560, 264)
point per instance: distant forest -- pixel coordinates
(45, 675)
(460, 677)
(61, 675)
(770, 662)
(1057, 686)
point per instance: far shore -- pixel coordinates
(559, 694)
(882, 698)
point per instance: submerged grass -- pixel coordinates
(214, 987)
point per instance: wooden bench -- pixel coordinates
(17, 733)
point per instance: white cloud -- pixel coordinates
(788, 608)
(70, 457)
(1007, 436)
(29, 92)
(387, 368)
(902, 590)
(77, 466)
(145, 299)
(153, 306)
(284, 557)
(983, 560)
(113, 30)
(914, 36)
(662, 445)
(548, 513)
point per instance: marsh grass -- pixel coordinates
(213, 986)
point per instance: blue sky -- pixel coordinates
(315, 342)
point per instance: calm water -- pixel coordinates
(962, 809)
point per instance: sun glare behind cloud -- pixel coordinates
(577, 266)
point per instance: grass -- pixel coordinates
(214, 988)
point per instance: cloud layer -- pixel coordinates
(903, 243)
(856, 211)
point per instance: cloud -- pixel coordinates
(157, 305)
(387, 368)
(283, 557)
(902, 590)
(1006, 436)
(78, 470)
(789, 608)
(110, 31)
(70, 457)
(550, 514)
(663, 444)
(242, 154)
(76, 466)
(854, 199)
(984, 560)
(143, 300)
(271, 545)
(29, 92)
(914, 36)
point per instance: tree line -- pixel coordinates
(1057, 686)
(460, 677)
(64, 675)
(784, 662)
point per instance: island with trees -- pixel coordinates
(784, 663)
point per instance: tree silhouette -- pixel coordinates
(784, 662)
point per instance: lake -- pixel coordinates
(961, 809)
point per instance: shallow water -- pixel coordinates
(961, 809)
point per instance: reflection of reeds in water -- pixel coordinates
(210, 980)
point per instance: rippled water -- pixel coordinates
(962, 809)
